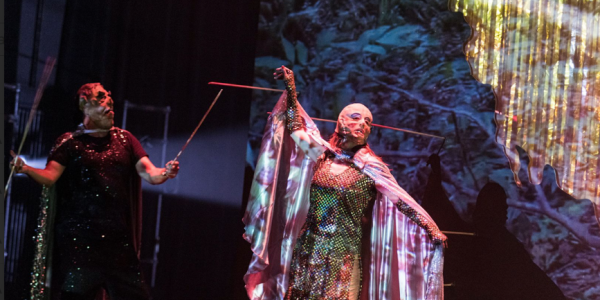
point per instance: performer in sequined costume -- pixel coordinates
(96, 173)
(340, 227)
(327, 253)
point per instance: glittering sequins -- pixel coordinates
(38, 274)
(95, 186)
(92, 230)
(432, 230)
(293, 118)
(330, 240)
(93, 196)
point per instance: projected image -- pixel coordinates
(404, 60)
(543, 66)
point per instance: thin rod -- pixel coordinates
(245, 86)
(392, 128)
(32, 113)
(197, 127)
(458, 233)
(324, 120)
(441, 146)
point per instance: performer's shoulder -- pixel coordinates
(61, 140)
(376, 168)
(64, 137)
(126, 134)
(122, 131)
(66, 134)
(368, 157)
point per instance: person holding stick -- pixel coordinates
(327, 220)
(91, 207)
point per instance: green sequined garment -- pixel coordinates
(330, 240)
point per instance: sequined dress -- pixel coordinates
(93, 231)
(330, 241)
(277, 210)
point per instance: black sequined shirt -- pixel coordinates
(94, 191)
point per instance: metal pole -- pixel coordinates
(156, 241)
(15, 119)
(124, 125)
(159, 205)
(165, 110)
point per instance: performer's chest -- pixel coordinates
(348, 192)
(106, 157)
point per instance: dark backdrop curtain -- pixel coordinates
(164, 53)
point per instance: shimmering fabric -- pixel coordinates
(41, 271)
(403, 262)
(330, 240)
(97, 216)
(542, 58)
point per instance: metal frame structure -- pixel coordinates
(166, 111)
(18, 214)
(13, 119)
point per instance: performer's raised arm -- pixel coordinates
(294, 121)
(346, 206)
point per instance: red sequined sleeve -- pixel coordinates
(60, 151)
(136, 147)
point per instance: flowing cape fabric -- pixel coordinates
(404, 263)
(41, 275)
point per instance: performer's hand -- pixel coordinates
(172, 168)
(17, 162)
(283, 73)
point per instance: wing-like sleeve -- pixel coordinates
(278, 204)
(405, 263)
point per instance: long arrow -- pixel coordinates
(50, 61)
(195, 130)
(324, 120)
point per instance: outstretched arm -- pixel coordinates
(47, 176)
(387, 185)
(153, 175)
(435, 234)
(294, 121)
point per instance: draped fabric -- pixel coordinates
(404, 263)
(542, 59)
(41, 274)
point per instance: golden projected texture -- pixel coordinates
(542, 59)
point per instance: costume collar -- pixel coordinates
(346, 155)
(82, 130)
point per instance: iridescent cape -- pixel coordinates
(404, 262)
(41, 275)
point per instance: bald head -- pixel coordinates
(356, 107)
(354, 126)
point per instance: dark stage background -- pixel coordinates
(158, 53)
(402, 58)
